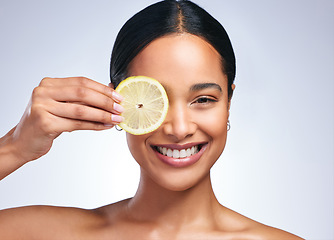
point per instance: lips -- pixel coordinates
(180, 155)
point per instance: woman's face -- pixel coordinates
(183, 149)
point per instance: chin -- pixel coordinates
(177, 180)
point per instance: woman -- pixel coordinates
(190, 54)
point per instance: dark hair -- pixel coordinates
(168, 17)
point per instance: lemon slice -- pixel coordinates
(145, 104)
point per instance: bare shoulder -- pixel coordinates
(246, 228)
(114, 212)
(46, 222)
(267, 232)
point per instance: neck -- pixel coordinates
(194, 206)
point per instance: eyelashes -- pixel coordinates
(204, 102)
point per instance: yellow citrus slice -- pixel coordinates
(145, 104)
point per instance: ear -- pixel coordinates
(229, 101)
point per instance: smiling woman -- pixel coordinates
(190, 54)
(198, 111)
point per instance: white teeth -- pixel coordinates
(192, 150)
(169, 152)
(183, 153)
(164, 151)
(176, 154)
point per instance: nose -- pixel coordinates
(178, 124)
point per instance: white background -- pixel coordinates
(277, 167)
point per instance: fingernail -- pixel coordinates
(117, 96)
(116, 118)
(118, 108)
(108, 125)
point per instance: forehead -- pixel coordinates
(179, 59)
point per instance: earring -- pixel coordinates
(228, 125)
(118, 128)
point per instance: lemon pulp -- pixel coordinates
(145, 104)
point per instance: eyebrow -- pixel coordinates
(201, 86)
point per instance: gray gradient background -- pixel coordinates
(277, 167)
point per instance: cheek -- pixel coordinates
(214, 125)
(214, 121)
(136, 146)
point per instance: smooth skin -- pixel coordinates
(171, 202)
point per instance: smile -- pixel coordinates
(180, 155)
(174, 153)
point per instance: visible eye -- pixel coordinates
(205, 100)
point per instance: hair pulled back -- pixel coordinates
(164, 18)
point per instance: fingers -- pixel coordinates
(82, 82)
(79, 94)
(76, 111)
(52, 126)
(69, 125)
(76, 103)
